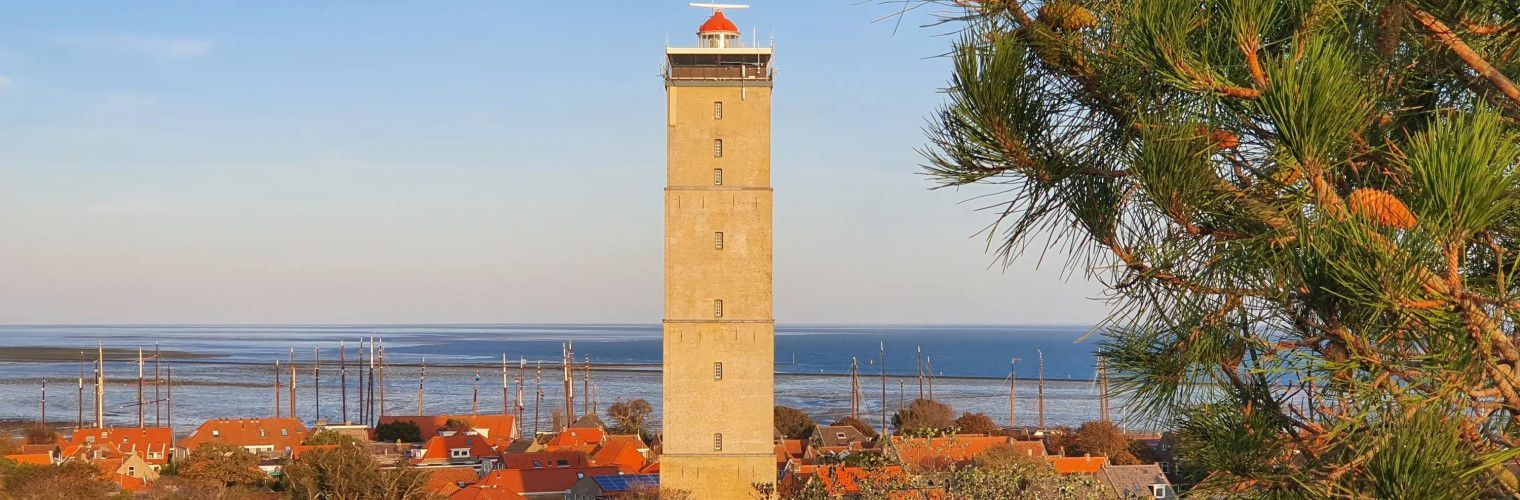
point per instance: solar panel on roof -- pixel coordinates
(626, 482)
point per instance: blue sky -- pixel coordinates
(464, 161)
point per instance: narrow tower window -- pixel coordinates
(718, 308)
(718, 240)
(718, 110)
(717, 148)
(717, 177)
(718, 370)
(718, 442)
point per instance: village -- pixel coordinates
(923, 449)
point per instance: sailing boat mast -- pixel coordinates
(1042, 388)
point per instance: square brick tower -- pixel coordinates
(719, 334)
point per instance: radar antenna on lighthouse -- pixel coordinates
(717, 6)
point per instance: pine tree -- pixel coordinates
(1305, 213)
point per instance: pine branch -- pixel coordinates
(1442, 34)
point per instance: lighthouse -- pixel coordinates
(719, 332)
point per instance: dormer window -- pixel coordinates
(284, 432)
(459, 453)
(216, 433)
(1158, 490)
(538, 465)
(839, 435)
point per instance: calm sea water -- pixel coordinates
(971, 364)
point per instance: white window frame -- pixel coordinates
(717, 308)
(717, 110)
(718, 240)
(717, 177)
(717, 370)
(717, 148)
(1158, 490)
(718, 441)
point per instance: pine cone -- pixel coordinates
(1066, 15)
(1380, 207)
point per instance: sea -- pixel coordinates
(233, 372)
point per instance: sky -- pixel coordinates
(467, 161)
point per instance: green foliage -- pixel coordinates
(331, 437)
(858, 424)
(924, 417)
(405, 431)
(349, 472)
(230, 466)
(793, 423)
(1306, 213)
(628, 417)
(976, 423)
(66, 481)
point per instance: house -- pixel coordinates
(31, 458)
(940, 453)
(577, 438)
(129, 465)
(841, 481)
(258, 435)
(445, 481)
(788, 450)
(838, 435)
(1135, 481)
(627, 452)
(1077, 465)
(153, 444)
(455, 449)
(600, 487)
(497, 428)
(562, 459)
(542, 484)
(361, 433)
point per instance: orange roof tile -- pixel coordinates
(445, 481)
(150, 443)
(524, 482)
(840, 480)
(129, 483)
(481, 492)
(940, 452)
(621, 452)
(1077, 465)
(278, 433)
(31, 458)
(545, 460)
(496, 427)
(1031, 448)
(299, 450)
(571, 438)
(439, 447)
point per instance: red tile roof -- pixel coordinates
(482, 492)
(788, 449)
(544, 460)
(573, 438)
(151, 443)
(524, 482)
(31, 458)
(840, 480)
(1077, 465)
(299, 450)
(445, 481)
(439, 447)
(496, 427)
(279, 433)
(941, 452)
(129, 483)
(622, 452)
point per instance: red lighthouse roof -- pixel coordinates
(718, 23)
